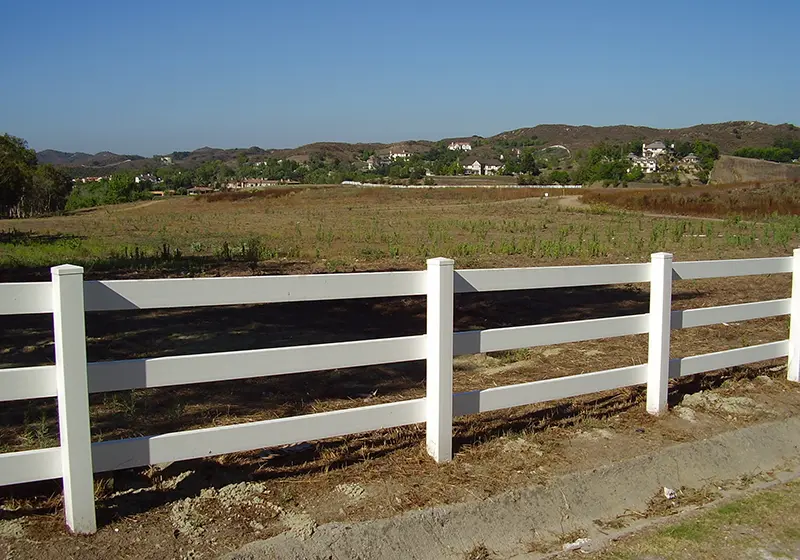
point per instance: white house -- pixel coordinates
(253, 183)
(398, 153)
(492, 166)
(654, 150)
(146, 177)
(646, 164)
(464, 146)
(471, 168)
(691, 159)
(481, 166)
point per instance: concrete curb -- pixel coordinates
(505, 524)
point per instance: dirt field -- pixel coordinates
(202, 509)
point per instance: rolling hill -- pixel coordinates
(729, 136)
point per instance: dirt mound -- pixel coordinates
(732, 169)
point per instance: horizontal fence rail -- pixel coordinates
(243, 364)
(509, 338)
(26, 298)
(497, 279)
(72, 378)
(28, 383)
(193, 444)
(738, 267)
(497, 398)
(108, 295)
(30, 466)
(681, 367)
(688, 318)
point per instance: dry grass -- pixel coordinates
(232, 196)
(752, 200)
(349, 229)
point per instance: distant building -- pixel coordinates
(646, 164)
(481, 166)
(654, 150)
(91, 179)
(398, 153)
(253, 183)
(691, 159)
(465, 146)
(373, 163)
(166, 159)
(146, 177)
(194, 191)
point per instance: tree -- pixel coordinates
(47, 192)
(16, 166)
(527, 163)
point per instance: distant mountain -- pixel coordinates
(729, 136)
(80, 159)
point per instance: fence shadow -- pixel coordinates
(136, 491)
(152, 333)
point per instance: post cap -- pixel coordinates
(441, 261)
(66, 270)
(661, 256)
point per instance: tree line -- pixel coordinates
(27, 188)
(783, 150)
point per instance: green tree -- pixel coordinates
(17, 162)
(527, 163)
(559, 177)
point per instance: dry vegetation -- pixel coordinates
(344, 229)
(751, 200)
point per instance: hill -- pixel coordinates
(81, 159)
(729, 136)
(732, 169)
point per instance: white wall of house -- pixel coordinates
(473, 168)
(465, 146)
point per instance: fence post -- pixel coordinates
(73, 398)
(794, 322)
(439, 378)
(658, 350)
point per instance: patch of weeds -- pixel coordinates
(480, 552)
(571, 536)
(660, 506)
(511, 356)
(615, 523)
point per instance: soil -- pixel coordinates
(203, 509)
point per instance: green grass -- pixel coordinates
(765, 521)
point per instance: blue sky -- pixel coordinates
(156, 76)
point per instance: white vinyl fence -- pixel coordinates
(68, 297)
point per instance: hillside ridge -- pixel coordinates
(729, 136)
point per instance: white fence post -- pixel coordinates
(439, 379)
(794, 324)
(73, 398)
(658, 350)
